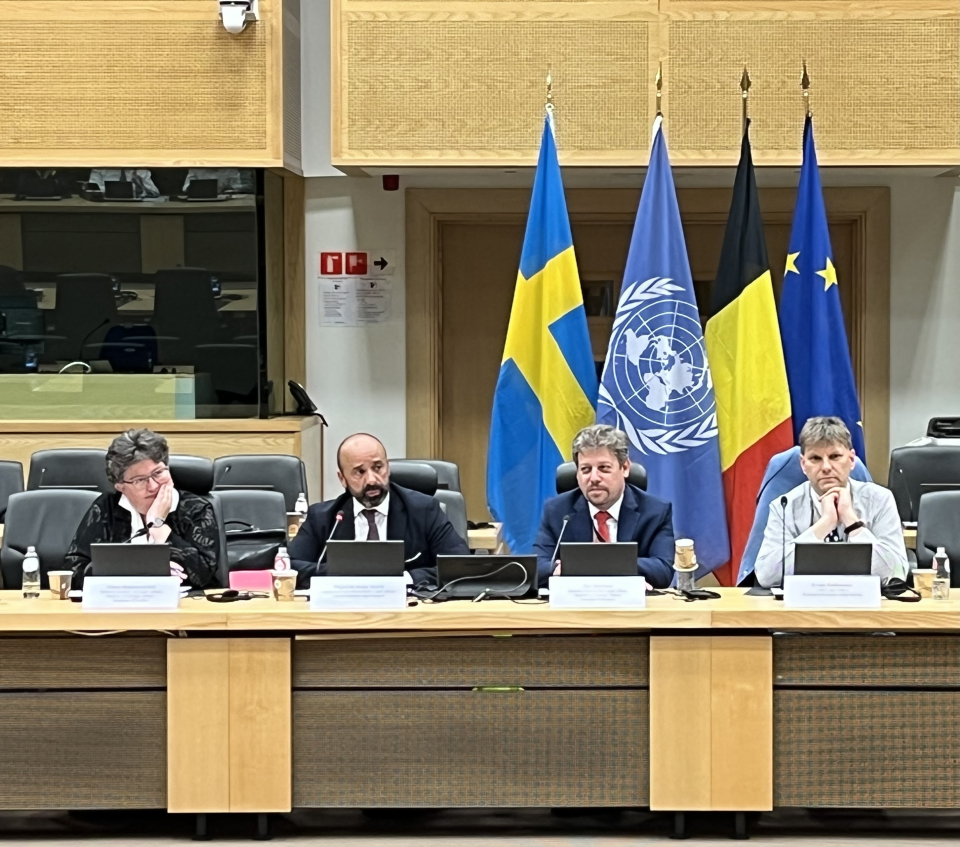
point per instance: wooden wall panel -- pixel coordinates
(461, 82)
(125, 82)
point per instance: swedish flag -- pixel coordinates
(811, 320)
(547, 388)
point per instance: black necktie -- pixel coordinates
(371, 516)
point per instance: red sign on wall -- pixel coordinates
(331, 264)
(356, 263)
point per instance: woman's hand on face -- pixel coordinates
(160, 507)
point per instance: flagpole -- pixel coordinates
(659, 79)
(744, 93)
(549, 102)
(805, 85)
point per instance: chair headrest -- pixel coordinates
(414, 476)
(567, 477)
(192, 473)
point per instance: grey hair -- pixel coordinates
(134, 446)
(825, 430)
(602, 436)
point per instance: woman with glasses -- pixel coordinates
(147, 509)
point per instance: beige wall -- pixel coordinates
(461, 82)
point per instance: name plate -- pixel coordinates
(598, 592)
(831, 592)
(357, 593)
(131, 593)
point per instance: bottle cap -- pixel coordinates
(941, 551)
(33, 550)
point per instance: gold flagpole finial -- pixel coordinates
(660, 90)
(744, 93)
(805, 85)
(549, 103)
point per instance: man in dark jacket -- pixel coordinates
(606, 508)
(373, 509)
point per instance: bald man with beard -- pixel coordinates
(374, 509)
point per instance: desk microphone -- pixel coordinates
(783, 546)
(336, 522)
(144, 530)
(86, 338)
(563, 529)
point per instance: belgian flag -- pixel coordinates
(746, 360)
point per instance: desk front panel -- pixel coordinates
(867, 721)
(471, 721)
(83, 723)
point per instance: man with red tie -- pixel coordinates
(606, 508)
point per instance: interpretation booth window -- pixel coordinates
(133, 293)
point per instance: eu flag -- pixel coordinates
(811, 320)
(547, 388)
(656, 383)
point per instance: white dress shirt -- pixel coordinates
(612, 521)
(136, 522)
(362, 527)
(873, 504)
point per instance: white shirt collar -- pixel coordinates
(613, 510)
(383, 508)
(136, 522)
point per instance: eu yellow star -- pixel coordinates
(829, 274)
(791, 263)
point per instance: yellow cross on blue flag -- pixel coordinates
(547, 388)
(815, 348)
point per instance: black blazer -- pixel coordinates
(413, 518)
(643, 518)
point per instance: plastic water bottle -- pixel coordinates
(299, 515)
(941, 577)
(282, 560)
(301, 507)
(31, 574)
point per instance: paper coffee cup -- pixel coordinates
(684, 557)
(923, 581)
(60, 582)
(284, 585)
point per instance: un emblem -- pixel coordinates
(657, 378)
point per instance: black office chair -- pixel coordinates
(448, 473)
(938, 525)
(191, 473)
(415, 476)
(255, 527)
(11, 282)
(911, 467)
(286, 474)
(46, 520)
(184, 313)
(11, 482)
(455, 508)
(84, 312)
(943, 428)
(567, 477)
(83, 468)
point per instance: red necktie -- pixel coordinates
(373, 534)
(602, 529)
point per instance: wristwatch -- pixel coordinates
(156, 523)
(853, 527)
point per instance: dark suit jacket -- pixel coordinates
(643, 518)
(413, 518)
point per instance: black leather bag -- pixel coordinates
(250, 548)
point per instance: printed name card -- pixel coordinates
(357, 593)
(131, 593)
(598, 592)
(831, 592)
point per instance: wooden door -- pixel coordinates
(478, 269)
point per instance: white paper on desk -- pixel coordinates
(598, 592)
(131, 593)
(831, 592)
(357, 593)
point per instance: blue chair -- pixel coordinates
(783, 474)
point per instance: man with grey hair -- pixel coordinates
(831, 507)
(606, 508)
(145, 508)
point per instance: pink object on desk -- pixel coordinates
(251, 580)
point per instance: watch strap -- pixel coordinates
(853, 527)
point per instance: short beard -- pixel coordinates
(372, 502)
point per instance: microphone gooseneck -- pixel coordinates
(903, 476)
(563, 529)
(336, 522)
(783, 539)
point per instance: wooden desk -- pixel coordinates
(735, 704)
(490, 539)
